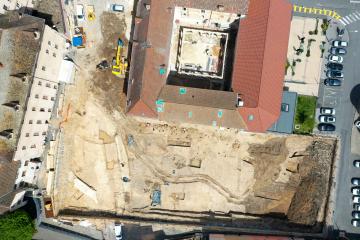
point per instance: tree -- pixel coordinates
(16, 226)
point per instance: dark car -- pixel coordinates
(326, 127)
(337, 51)
(334, 74)
(335, 66)
(332, 82)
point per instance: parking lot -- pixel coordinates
(331, 96)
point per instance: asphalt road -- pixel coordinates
(339, 98)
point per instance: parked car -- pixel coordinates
(355, 190)
(335, 66)
(117, 8)
(355, 223)
(357, 124)
(336, 58)
(327, 111)
(356, 207)
(80, 15)
(355, 181)
(356, 199)
(337, 51)
(356, 214)
(326, 119)
(118, 231)
(334, 74)
(332, 82)
(338, 43)
(326, 127)
(356, 163)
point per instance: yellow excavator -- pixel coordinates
(120, 63)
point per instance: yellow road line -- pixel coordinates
(313, 10)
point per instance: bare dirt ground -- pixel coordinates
(203, 173)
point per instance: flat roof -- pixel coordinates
(285, 123)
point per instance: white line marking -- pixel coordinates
(357, 16)
(354, 1)
(348, 19)
(344, 19)
(352, 17)
(343, 22)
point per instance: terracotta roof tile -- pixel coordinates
(259, 61)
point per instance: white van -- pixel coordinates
(80, 15)
(118, 231)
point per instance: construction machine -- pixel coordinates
(120, 63)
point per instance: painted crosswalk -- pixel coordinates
(350, 18)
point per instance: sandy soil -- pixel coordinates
(201, 171)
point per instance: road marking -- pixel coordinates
(318, 11)
(343, 22)
(354, 1)
(356, 16)
(352, 17)
(344, 19)
(348, 19)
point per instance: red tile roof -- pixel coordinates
(260, 58)
(152, 36)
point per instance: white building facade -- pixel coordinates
(40, 105)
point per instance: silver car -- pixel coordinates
(326, 119)
(355, 191)
(355, 223)
(357, 164)
(356, 199)
(355, 181)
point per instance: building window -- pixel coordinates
(54, 54)
(55, 86)
(38, 122)
(56, 46)
(39, 83)
(42, 109)
(36, 134)
(52, 99)
(45, 97)
(47, 51)
(23, 148)
(30, 121)
(33, 109)
(49, 109)
(284, 107)
(36, 95)
(43, 68)
(33, 146)
(48, 85)
(23, 174)
(44, 133)
(49, 42)
(26, 163)
(27, 134)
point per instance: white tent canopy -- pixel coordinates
(67, 70)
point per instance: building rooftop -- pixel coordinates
(258, 68)
(19, 45)
(285, 123)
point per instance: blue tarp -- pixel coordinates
(156, 198)
(77, 41)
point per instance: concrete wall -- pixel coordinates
(6, 5)
(18, 201)
(40, 105)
